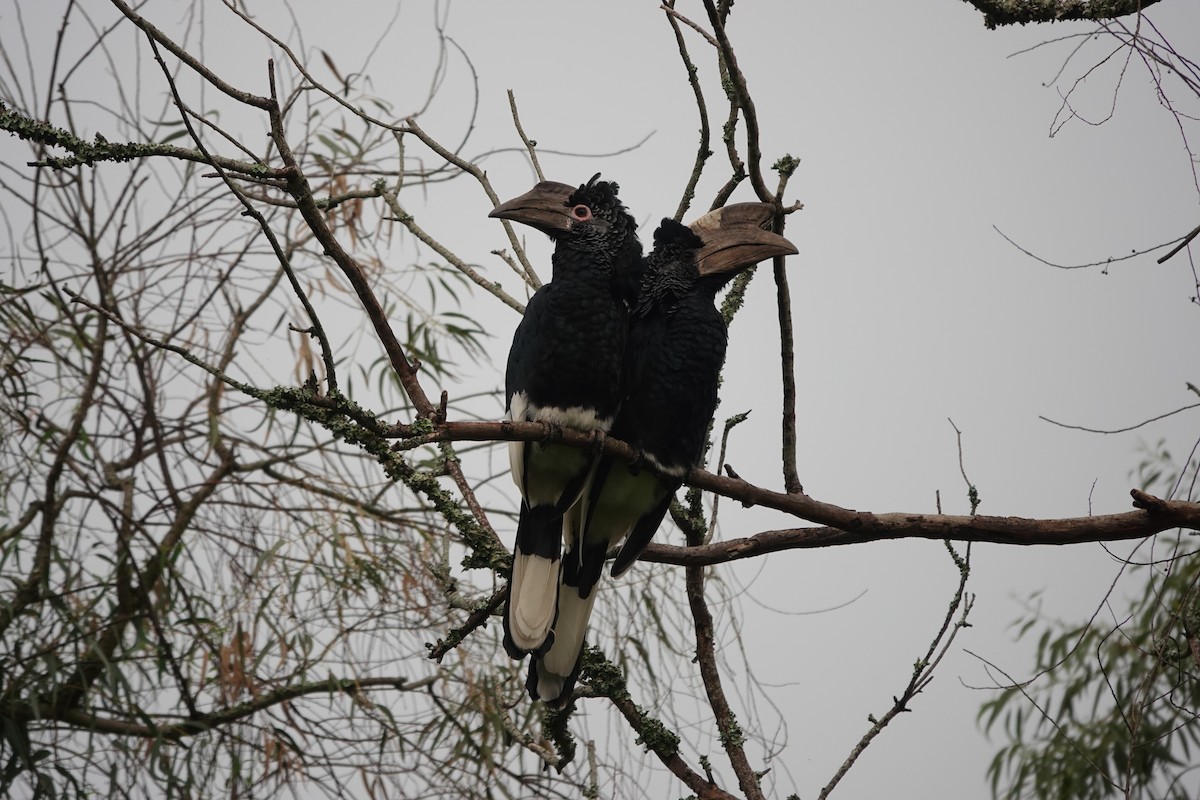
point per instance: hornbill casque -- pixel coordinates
(564, 369)
(673, 360)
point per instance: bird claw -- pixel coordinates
(635, 466)
(598, 438)
(553, 432)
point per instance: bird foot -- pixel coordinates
(599, 437)
(635, 466)
(553, 433)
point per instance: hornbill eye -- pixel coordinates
(581, 212)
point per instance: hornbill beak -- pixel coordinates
(734, 238)
(543, 207)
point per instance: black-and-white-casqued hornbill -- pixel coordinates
(564, 369)
(673, 360)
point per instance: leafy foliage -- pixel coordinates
(1112, 709)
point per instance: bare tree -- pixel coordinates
(238, 554)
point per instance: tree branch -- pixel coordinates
(730, 732)
(844, 525)
(197, 66)
(997, 530)
(787, 361)
(923, 669)
(704, 147)
(606, 680)
(1023, 12)
(298, 187)
(214, 719)
(743, 100)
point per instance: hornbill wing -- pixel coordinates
(643, 531)
(633, 499)
(516, 378)
(532, 588)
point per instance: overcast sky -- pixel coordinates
(919, 132)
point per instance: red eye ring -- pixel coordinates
(581, 212)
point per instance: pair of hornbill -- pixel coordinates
(621, 344)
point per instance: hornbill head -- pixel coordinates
(588, 218)
(558, 209)
(734, 238)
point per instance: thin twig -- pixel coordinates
(1084, 754)
(703, 147)
(1103, 263)
(246, 98)
(669, 7)
(408, 221)
(476, 619)
(530, 145)
(972, 492)
(730, 424)
(317, 329)
(743, 101)
(481, 176)
(1120, 430)
(215, 719)
(923, 669)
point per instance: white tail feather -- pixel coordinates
(559, 661)
(549, 686)
(532, 600)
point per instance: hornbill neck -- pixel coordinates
(664, 287)
(579, 258)
(711, 285)
(671, 269)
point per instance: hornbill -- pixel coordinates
(672, 365)
(564, 369)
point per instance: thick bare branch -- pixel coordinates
(844, 525)
(1023, 12)
(731, 736)
(868, 527)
